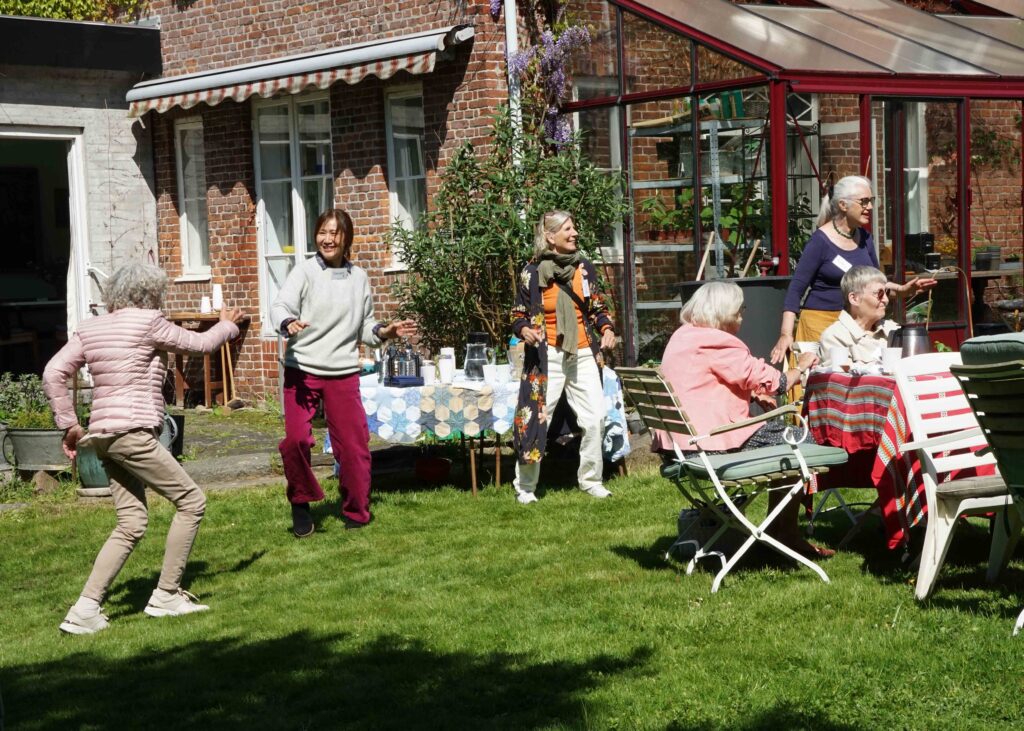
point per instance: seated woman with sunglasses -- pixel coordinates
(841, 242)
(861, 328)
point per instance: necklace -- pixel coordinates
(842, 233)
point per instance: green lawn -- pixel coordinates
(450, 612)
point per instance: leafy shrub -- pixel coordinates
(464, 258)
(23, 404)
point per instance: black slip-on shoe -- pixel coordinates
(354, 524)
(302, 520)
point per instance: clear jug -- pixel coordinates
(477, 356)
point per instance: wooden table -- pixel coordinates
(201, 322)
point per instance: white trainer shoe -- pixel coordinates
(172, 604)
(596, 491)
(77, 623)
(525, 498)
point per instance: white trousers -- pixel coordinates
(579, 378)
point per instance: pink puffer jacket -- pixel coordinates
(125, 351)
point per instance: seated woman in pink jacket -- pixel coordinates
(715, 378)
(126, 354)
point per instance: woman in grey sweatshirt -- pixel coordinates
(325, 309)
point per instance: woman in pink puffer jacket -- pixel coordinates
(126, 351)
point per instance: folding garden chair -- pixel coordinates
(996, 395)
(948, 441)
(724, 485)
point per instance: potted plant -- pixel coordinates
(657, 214)
(1012, 261)
(32, 435)
(682, 217)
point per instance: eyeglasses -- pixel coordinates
(864, 202)
(878, 294)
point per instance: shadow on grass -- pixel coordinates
(304, 680)
(130, 596)
(783, 716)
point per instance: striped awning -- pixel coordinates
(415, 53)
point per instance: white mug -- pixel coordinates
(490, 373)
(838, 356)
(428, 373)
(205, 307)
(503, 373)
(890, 358)
(218, 296)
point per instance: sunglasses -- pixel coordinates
(878, 294)
(864, 202)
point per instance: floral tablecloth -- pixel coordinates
(403, 415)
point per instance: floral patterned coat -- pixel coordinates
(530, 431)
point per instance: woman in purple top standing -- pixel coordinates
(841, 242)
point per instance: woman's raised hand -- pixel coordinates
(231, 314)
(400, 329)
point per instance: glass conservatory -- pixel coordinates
(729, 121)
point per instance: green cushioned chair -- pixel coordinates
(993, 349)
(995, 392)
(724, 485)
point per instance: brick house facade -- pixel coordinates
(458, 99)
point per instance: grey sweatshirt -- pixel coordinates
(337, 305)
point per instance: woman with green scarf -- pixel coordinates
(558, 315)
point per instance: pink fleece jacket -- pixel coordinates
(125, 351)
(713, 375)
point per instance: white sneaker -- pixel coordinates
(77, 623)
(525, 498)
(172, 604)
(596, 491)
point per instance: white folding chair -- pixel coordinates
(947, 439)
(724, 485)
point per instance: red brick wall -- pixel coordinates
(460, 98)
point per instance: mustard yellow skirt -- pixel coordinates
(809, 327)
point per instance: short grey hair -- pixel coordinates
(549, 223)
(136, 285)
(841, 191)
(715, 304)
(857, 278)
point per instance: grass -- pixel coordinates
(450, 612)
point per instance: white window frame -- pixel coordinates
(301, 248)
(397, 212)
(189, 270)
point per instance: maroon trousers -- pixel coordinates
(350, 439)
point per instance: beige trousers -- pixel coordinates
(579, 378)
(134, 460)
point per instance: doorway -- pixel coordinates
(36, 248)
(921, 228)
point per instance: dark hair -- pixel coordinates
(344, 222)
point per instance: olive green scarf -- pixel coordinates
(561, 268)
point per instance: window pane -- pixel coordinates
(655, 58)
(198, 233)
(315, 200)
(277, 272)
(412, 197)
(593, 67)
(315, 158)
(408, 159)
(274, 162)
(407, 114)
(277, 205)
(713, 66)
(192, 173)
(273, 124)
(315, 121)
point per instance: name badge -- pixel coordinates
(586, 286)
(339, 274)
(844, 265)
